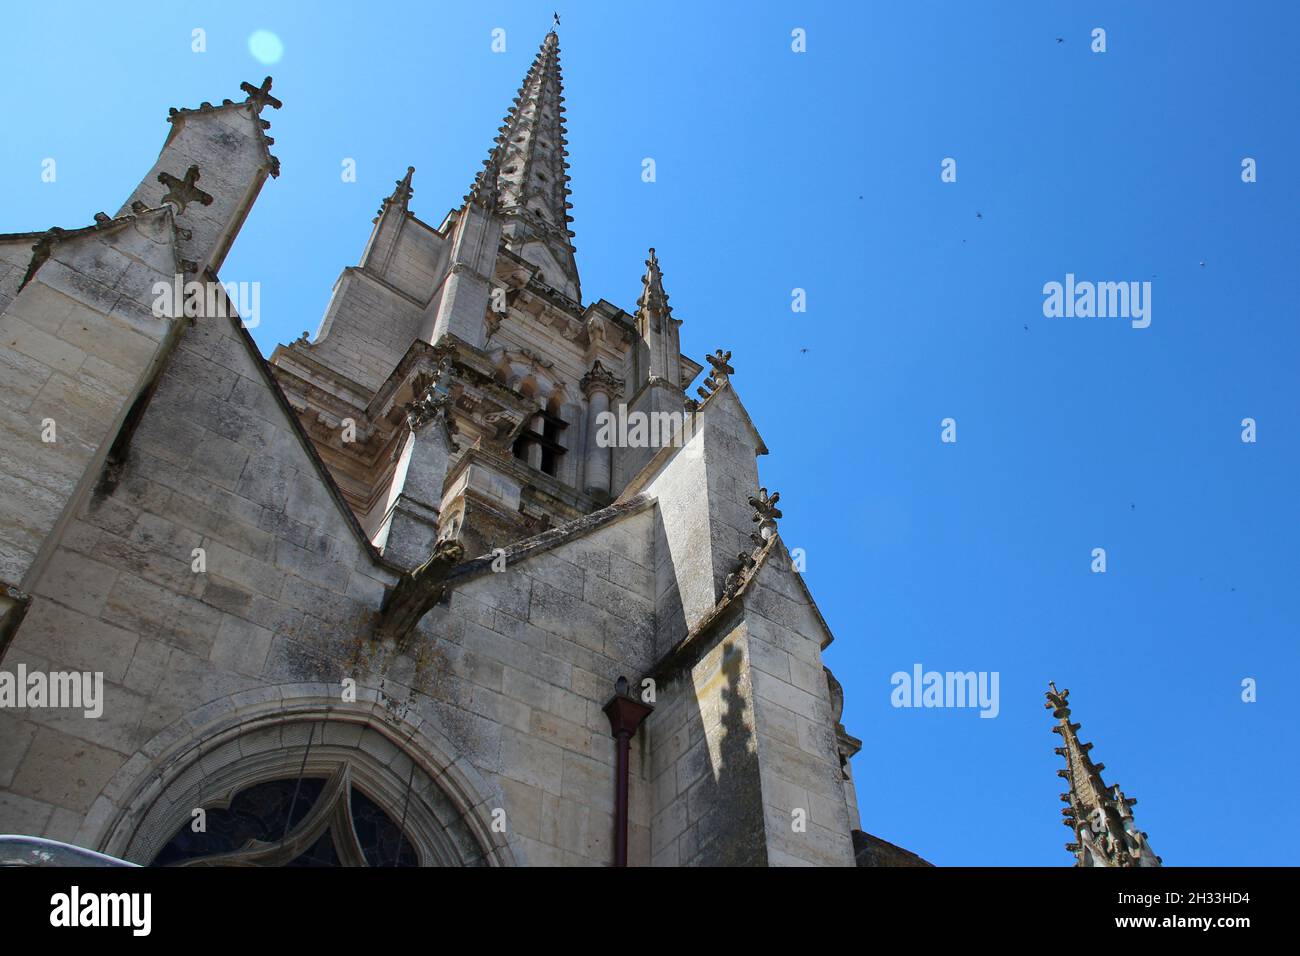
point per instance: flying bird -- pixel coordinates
(979, 215)
(1060, 39)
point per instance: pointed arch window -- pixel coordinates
(294, 822)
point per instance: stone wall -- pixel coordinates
(704, 771)
(74, 355)
(522, 660)
(214, 464)
(536, 650)
(368, 327)
(793, 724)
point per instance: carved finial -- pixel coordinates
(719, 360)
(1058, 701)
(260, 97)
(731, 586)
(720, 375)
(181, 192)
(765, 513)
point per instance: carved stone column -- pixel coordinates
(600, 387)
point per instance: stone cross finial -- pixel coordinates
(765, 513)
(719, 360)
(720, 375)
(181, 192)
(260, 97)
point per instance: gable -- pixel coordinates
(218, 432)
(779, 593)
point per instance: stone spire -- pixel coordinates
(652, 306)
(658, 354)
(525, 176)
(1100, 816)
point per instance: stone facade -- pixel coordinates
(399, 557)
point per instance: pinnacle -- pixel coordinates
(1114, 844)
(653, 298)
(401, 195)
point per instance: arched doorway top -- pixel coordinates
(210, 754)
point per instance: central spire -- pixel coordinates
(524, 177)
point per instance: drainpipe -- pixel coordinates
(625, 714)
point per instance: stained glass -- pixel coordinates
(265, 823)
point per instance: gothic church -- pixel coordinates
(400, 595)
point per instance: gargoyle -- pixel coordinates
(417, 592)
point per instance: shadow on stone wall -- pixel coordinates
(723, 800)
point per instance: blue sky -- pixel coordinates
(821, 171)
